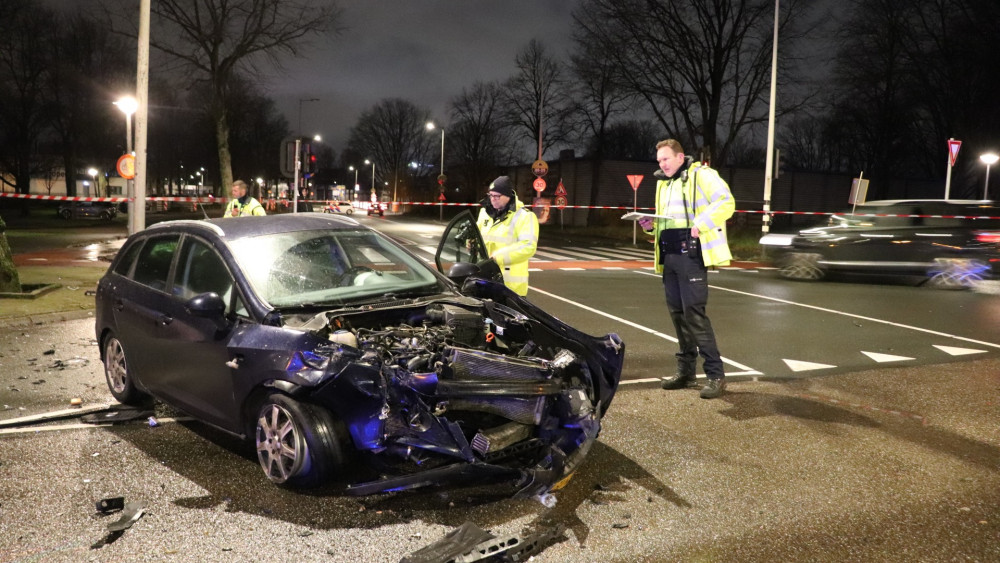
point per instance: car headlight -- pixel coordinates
(773, 239)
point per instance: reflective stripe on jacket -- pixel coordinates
(253, 207)
(709, 205)
(511, 241)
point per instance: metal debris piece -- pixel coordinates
(514, 548)
(459, 541)
(53, 415)
(153, 423)
(130, 515)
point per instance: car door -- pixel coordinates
(198, 377)
(461, 243)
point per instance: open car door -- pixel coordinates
(461, 250)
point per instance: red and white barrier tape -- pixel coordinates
(365, 205)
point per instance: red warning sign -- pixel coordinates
(539, 185)
(635, 180)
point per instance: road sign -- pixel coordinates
(539, 185)
(539, 168)
(441, 197)
(126, 166)
(561, 201)
(442, 179)
(953, 146)
(560, 189)
(635, 180)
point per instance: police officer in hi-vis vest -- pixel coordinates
(698, 203)
(242, 204)
(510, 231)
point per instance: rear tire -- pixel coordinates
(299, 445)
(116, 373)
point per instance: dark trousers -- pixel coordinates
(685, 283)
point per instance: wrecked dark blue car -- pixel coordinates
(330, 346)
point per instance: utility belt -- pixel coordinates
(678, 241)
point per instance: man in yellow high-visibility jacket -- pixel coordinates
(698, 202)
(242, 204)
(510, 231)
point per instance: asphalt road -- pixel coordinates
(889, 452)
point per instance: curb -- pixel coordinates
(45, 318)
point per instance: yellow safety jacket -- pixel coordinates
(511, 240)
(709, 203)
(253, 207)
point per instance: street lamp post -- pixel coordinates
(92, 172)
(372, 162)
(355, 180)
(430, 127)
(129, 105)
(989, 159)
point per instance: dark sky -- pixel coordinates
(424, 51)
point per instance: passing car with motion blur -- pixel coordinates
(87, 210)
(324, 343)
(944, 243)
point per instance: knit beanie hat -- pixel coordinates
(503, 186)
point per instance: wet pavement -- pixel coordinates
(881, 465)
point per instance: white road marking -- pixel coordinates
(749, 370)
(951, 350)
(799, 365)
(882, 358)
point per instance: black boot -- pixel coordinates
(677, 382)
(713, 388)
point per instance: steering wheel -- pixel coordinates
(351, 275)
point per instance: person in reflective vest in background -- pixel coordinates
(242, 204)
(698, 202)
(510, 231)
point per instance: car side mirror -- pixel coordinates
(207, 305)
(461, 270)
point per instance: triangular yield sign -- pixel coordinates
(798, 365)
(952, 351)
(560, 189)
(634, 179)
(953, 146)
(882, 358)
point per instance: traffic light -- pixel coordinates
(308, 159)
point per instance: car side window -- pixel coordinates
(124, 264)
(201, 270)
(152, 267)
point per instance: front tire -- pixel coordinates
(299, 445)
(116, 373)
(957, 273)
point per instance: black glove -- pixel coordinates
(489, 269)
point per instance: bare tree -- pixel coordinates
(393, 134)
(538, 99)
(25, 53)
(216, 39)
(702, 66)
(88, 63)
(479, 136)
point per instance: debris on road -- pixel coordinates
(53, 415)
(469, 543)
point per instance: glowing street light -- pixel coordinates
(92, 172)
(441, 176)
(989, 159)
(355, 176)
(372, 162)
(129, 105)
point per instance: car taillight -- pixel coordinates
(989, 237)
